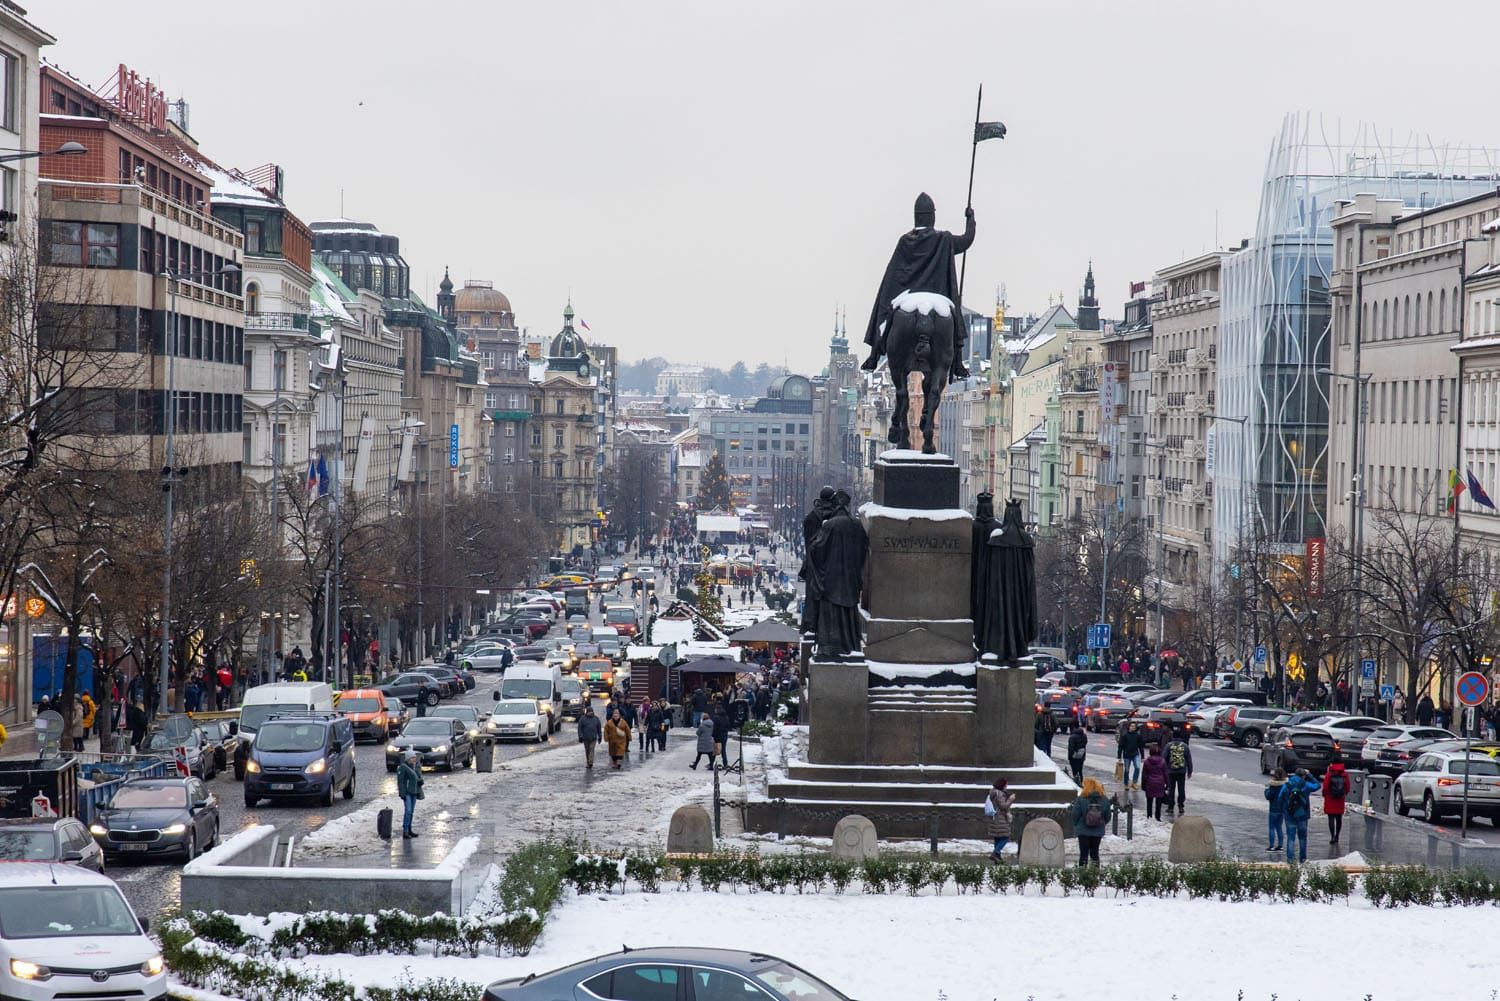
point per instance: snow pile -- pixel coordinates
(349, 834)
(884, 948)
(872, 510)
(891, 672)
(923, 302)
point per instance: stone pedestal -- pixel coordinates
(916, 600)
(911, 479)
(839, 719)
(1006, 697)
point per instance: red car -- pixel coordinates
(624, 620)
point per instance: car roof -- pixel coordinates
(362, 693)
(163, 781)
(24, 823)
(42, 873)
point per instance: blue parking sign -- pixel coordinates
(1260, 655)
(1367, 669)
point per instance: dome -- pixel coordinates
(566, 343)
(480, 297)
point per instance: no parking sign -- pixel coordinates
(1473, 688)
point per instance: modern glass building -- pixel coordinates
(1270, 474)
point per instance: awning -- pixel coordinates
(712, 665)
(766, 631)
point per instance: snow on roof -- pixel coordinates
(718, 523)
(692, 457)
(329, 294)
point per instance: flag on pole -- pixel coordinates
(1455, 487)
(988, 130)
(1477, 492)
(312, 476)
(584, 325)
(322, 476)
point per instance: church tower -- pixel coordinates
(1088, 305)
(445, 299)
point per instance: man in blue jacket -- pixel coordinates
(1296, 807)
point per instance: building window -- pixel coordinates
(557, 437)
(536, 437)
(278, 370)
(536, 468)
(278, 447)
(557, 469)
(560, 408)
(252, 236)
(252, 299)
(510, 429)
(249, 370)
(247, 437)
(96, 243)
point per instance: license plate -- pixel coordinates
(282, 786)
(132, 847)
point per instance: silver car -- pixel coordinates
(671, 974)
(1437, 782)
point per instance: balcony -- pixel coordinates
(1196, 358)
(276, 321)
(141, 197)
(1196, 405)
(1192, 448)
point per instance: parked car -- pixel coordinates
(1299, 718)
(493, 657)
(1150, 700)
(450, 685)
(665, 974)
(572, 697)
(1351, 731)
(1246, 726)
(1234, 681)
(150, 817)
(223, 738)
(1437, 782)
(412, 687)
(163, 743)
(67, 932)
(1104, 711)
(518, 718)
(1131, 689)
(367, 710)
(1060, 703)
(530, 651)
(50, 839)
(1160, 725)
(1396, 739)
(299, 755)
(1310, 747)
(469, 715)
(1399, 759)
(439, 742)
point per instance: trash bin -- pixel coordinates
(484, 756)
(1378, 792)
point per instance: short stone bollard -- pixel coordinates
(854, 839)
(691, 831)
(1192, 840)
(1042, 843)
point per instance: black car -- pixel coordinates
(149, 817)
(450, 682)
(1246, 726)
(1307, 747)
(530, 651)
(1160, 725)
(439, 741)
(412, 687)
(671, 974)
(50, 839)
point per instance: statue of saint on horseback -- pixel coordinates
(917, 322)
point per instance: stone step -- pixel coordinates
(920, 774)
(970, 795)
(817, 817)
(920, 707)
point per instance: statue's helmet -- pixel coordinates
(841, 498)
(924, 211)
(825, 494)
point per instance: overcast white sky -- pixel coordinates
(709, 180)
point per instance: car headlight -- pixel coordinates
(174, 829)
(252, 766)
(474, 732)
(153, 966)
(22, 970)
(391, 750)
(98, 829)
(440, 749)
(317, 767)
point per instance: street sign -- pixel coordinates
(1099, 636)
(1082, 660)
(453, 447)
(1238, 666)
(1367, 686)
(1260, 655)
(1367, 668)
(1387, 692)
(1473, 688)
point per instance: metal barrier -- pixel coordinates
(90, 799)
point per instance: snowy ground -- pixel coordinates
(1004, 948)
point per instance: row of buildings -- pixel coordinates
(271, 350)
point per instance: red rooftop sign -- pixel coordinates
(141, 99)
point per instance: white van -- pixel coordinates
(264, 701)
(67, 932)
(542, 682)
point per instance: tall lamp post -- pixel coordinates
(1356, 497)
(169, 474)
(338, 537)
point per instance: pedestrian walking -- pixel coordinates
(1275, 819)
(75, 726)
(1046, 726)
(1154, 782)
(136, 720)
(700, 704)
(997, 804)
(409, 788)
(721, 734)
(1335, 791)
(664, 710)
(643, 723)
(1296, 805)
(1425, 710)
(589, 732)
(1128, 753)
(617, 736)
(1179, 769)
(1090, 814)
(705, 742)
(1078, 749)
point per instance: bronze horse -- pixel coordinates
(920, 339)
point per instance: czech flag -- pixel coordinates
(312, 476)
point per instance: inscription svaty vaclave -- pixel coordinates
(921, 544)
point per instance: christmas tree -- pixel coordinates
(707, 602)
(713, 488)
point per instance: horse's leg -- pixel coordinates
(931, 397)
(898, 434)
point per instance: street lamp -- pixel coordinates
(338, 541)
(66, 149)
(169, 474)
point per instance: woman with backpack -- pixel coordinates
(997, 806)
(1078, 749)
(1154, 781)
(1090, 815)
(1335, 791)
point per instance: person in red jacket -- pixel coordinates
(1335, 791)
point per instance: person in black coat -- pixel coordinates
(721, 733)
(135, 719)
(1078, 749)
(700, 703)
(589, 732)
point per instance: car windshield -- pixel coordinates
(429, 727)
(290, 737)
(251, 717)
(1475, 766)
(28, 846)
(571, 688)
(620, 615)
(161, 741)
(64, 912)
(534, 688)
(359, 705)
(798, 985)
(132, 797)
(1386, 733)
(515, 707)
